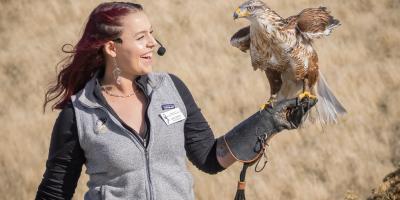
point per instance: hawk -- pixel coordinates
(282, 48)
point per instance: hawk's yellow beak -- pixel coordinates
(240, 13)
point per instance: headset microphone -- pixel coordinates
(161, 51)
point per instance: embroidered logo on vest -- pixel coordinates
(167, 106)
(100, 126)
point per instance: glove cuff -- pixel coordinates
(246, 141)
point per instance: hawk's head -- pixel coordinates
(250, 9)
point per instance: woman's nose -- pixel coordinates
(152, 42)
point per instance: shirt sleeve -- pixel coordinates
(200, 143)
(65, 159)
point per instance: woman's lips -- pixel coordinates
(146, 59)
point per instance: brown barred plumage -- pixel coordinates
(283, 47)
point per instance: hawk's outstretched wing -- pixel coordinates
(314, 23)
(241, 39)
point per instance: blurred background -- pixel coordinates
(360, 61)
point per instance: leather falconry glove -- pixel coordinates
(247, 140)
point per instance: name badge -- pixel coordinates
(172, 116)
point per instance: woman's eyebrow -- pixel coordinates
(144, 31)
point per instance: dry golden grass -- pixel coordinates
(389, 189)
(360, 61)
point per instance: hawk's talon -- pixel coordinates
(268, 104)
(264, 106)
(307, 94)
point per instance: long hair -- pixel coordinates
(86, 57)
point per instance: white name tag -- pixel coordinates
(172, 116)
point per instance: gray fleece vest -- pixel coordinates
(118, 165)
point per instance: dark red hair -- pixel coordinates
(87, 56)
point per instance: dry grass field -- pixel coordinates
(360, 61)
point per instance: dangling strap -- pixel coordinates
(240, 195)
(242, 184)
(265, 159)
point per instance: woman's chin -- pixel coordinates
(146, 69)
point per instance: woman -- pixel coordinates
(133, 128)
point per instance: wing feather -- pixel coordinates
(315, 22)
(241, 39)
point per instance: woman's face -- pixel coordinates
(134, 55)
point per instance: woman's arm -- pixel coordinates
(203, 150)
(65, 160)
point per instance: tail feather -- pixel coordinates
(328, 107)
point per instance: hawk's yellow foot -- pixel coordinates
(269, 103)
(263, 106)
(307, 94)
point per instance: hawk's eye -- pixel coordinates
(250, 8)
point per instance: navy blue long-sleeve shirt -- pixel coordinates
(66, 157)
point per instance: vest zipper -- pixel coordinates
(146, 152)
(142, 143)
(148, 173)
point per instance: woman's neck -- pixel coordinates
(126, 86)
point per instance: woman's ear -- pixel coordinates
(110, 49)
